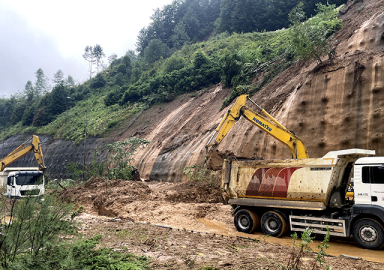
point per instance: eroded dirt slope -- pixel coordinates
(331, 106)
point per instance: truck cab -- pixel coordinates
(23, 182)
(369, 181)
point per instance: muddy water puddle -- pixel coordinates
(337, 247)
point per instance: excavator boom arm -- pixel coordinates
(22, 150)
(265, 122)
(294, 143)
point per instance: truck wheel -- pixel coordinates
(274, 224)
(246, 221)
(368, 233)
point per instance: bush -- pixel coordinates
(98, 81)
(34, 227)
(174, 63)
(113, 97)
(131, 95)
(155, 50)
(313, 39)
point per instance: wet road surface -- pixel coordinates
(337, 247)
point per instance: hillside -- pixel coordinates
(331, 106)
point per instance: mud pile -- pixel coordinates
(194, 192)
(120, 198)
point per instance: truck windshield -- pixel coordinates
(29, 179)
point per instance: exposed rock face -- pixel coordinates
(57, 154)
(331, 106)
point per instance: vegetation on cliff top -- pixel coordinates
(161, 71)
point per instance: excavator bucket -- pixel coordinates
(214, 160)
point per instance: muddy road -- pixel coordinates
(185, 226)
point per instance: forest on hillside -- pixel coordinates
(188, 46)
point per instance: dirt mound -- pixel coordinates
(101, 195)
(194, 192)
(119, 197)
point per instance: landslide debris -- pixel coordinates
(119, 198)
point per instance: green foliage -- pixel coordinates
(63, 183)
(198, 173)
(119, 159)
(77, 212)
(306, 239)
(313, 39)
(155, 50)
(73, 169)
(244, 62)
(174, 63)
(257, 15)
(28, 115)
(34, 227)
(114, 96)
(82, 254)
(32, 238)
(98, 82)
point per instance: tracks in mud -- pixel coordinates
(338, 247)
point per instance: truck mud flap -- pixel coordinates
(318, 225)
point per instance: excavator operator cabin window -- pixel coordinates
(373, 175)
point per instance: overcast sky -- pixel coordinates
(52, 35)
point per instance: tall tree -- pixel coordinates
(179, 37)
(57, 101)
(70, 82)
(112, 58)
(58, 77)
(155, 50)
(90, 58)
(98, 54)
(41, 84)
(29, 91)
(132, 55)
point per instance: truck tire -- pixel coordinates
(368, 233)
(246, 221)
(274, 224)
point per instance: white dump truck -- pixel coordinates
(294, 194)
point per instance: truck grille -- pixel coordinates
(32, 192)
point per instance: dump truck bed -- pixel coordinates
(292, 183)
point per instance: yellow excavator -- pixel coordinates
(262, 120)
(30, 145)
(21, 182)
